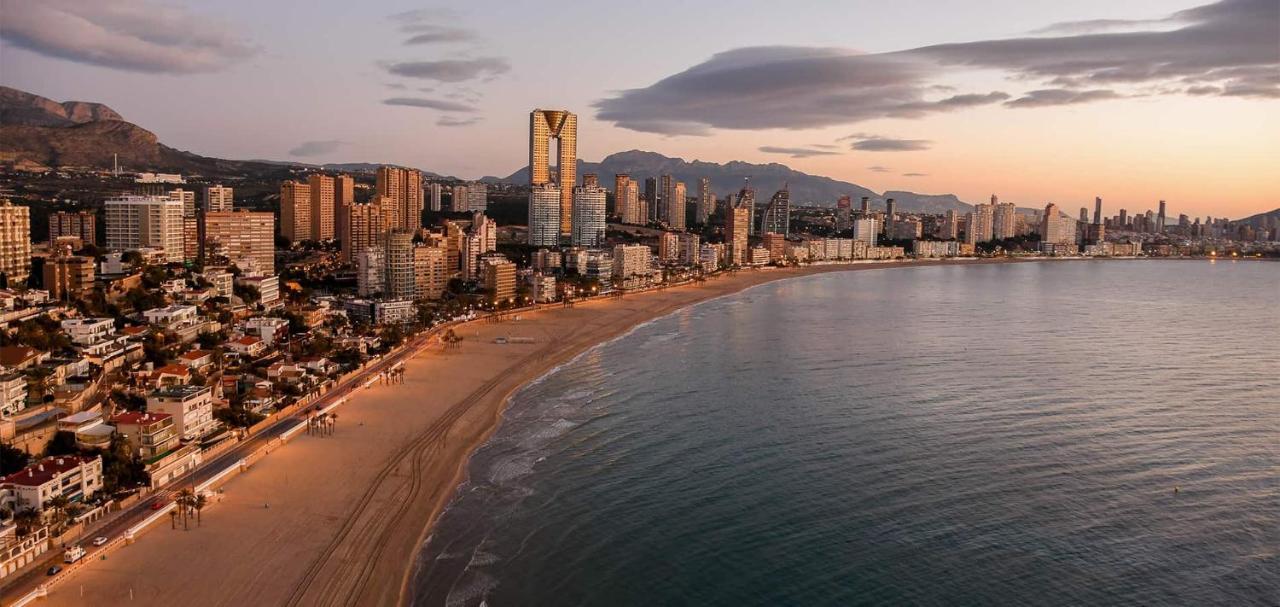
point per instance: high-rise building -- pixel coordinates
(15, 243)
(66, 276)
(589, 217)
(188, 200)
(628, 202)
(865, 229)
(344, 195)
(430, 272)
(403, 189)
(322, 206)
(651, 196)
(295, 211)
(950, 228)
(1097, 210)
(218, 198)
(1054, 228)
(844, 212)
(677, 207)
(890, 216)
(980, 226)
(500, 279)
(364, 229)
(561, 125)
(400, 281)
(1160, 218)
(865, 209)
(590, 180)
(245, 238)
(370, 271)
(544, 216)
(668, 247)
(458, 198)
(631, 260)
(481, 238)
(135, 222)
(80, 224)
(436, 197)
(1004, 220)
(477, 197)
(666, 191)
(706, 201)
(736, 229)
(777, 215)
(747, 200)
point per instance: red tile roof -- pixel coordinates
(136, 417)
(46, 470)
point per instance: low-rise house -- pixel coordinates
(247, 346)
(268, 328)
(90, 431)
(88, 331)
(318, 364)
(21, 357)
(18, 552)
(172, 374)
(172, 316)
(261, 398)
(13, 393)
(190, 406)
(73, 477)
(288, 374)
(148, 434)
(199, 361)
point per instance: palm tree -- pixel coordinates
(26, 520)
(173, 519)
(58, 504)
(183, 502)
(199, 503)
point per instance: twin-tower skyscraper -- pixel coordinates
(562, 126)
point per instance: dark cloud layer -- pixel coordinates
(795, 152)
(316, 148)
(454, 121)
(1227, 48)
(865, 142)
(451, 70)
(432, 104)
(138, 36)
(878, 169)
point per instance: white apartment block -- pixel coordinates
(135, 222)
(190, 406)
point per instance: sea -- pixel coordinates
(1056, 433)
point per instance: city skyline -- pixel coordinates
(1128, 132)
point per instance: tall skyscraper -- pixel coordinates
(1160, 218)
(1054, 228)
(950, 229)
(458, 198)
(980, 226)
(370, 271)
(477, 197)
(344, 195)
(865, 208)
(747, 200)
(80, 224)
(436, 197)
(364, 229)
(544, 216)
(218, 198)
(844, 212)
(864, 229)
(630, 207)
(403, 189)
(677, 201)
(666, 191)
(245, 238)
(135, 222)
(430, 272)
(400, 282)
(890, 215)
(736, 229)
(295, 211)
(589, 217)
(561, 125)
(651, 198)
(188, 199)
(15, 243)
(1004, 220)
(1097, 210)
(322, 206)
(706, 201)
(777, 216)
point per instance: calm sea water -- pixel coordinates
(988, 435)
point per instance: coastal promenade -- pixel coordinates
(340, 519)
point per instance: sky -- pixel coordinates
(1035, 101)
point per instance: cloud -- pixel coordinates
(434, 104)
(453, 121)
(317, 148)
(138, 36)
(915, 174)
(436, 34)
(1047, 97)
(875, 143)
(1230, 44)
(878, 169)
(795, 152)
(451, 70)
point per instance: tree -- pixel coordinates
(12, 459)
(62, 443)
(184, 502)
(26, 521)
(57, 507)
(199, 503)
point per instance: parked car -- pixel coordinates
(54, 570)
(98, 541)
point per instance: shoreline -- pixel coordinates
(384, 478)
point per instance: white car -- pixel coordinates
(98, 541)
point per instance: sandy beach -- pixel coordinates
(339, 520)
